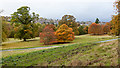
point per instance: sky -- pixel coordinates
(82, 10)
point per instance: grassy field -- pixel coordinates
(87, 54)
(84, 52)
(78, 39)
(18, 44)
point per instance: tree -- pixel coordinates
(95, 29)
(85, 29)
(40, 27)
(25, 23)
(6, 29)
(69, 20)
(64, 34)
(47, 36)
(81, 31)
(106, 28)
(116, 20)
(97, 21)
(52, 26)
(115, 25)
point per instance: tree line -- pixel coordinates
(23, 26)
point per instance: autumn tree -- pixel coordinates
(97, 21)
(52, 26)
(6, 29)
(85, 29)
(69, 20)
(25, 23)
(64, 34)
(95, 29)
(115, 25)
(47, 36)
(116, 19)
(106, 28)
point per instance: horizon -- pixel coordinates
(87, 10)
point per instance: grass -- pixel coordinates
(21, 45)
(39, 56)
(86, 54)
(18, 44)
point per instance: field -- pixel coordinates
(19, 44)
(83, 51)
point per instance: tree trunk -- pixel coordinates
(24, 39)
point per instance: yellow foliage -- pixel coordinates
(64, 34)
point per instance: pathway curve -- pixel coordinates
(54, 46)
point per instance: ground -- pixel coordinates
(83, 51)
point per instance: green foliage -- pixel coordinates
(6, 29)
(81, 31)
(86, 29)
(69, 20)
(40, 28)
(97, 21)
(25, 23)
(0, 31)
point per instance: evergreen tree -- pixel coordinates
(97, 21)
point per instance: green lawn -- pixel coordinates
(89, 54)
(18, 44)
(83, 52)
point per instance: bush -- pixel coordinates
(95, 29)
(106, 29)
(47, 36)
(64, 34)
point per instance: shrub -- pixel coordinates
(64, 34)
(95, 29)
(106, 28)
(47, 36)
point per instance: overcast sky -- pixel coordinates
(82, 10)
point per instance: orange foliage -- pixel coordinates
(47, 36)
(95, 29)
(64, 34)
(106, 28)
(51, 26)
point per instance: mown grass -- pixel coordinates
(82, 54)
(36, 42)
(49, 56)
(21, 45)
